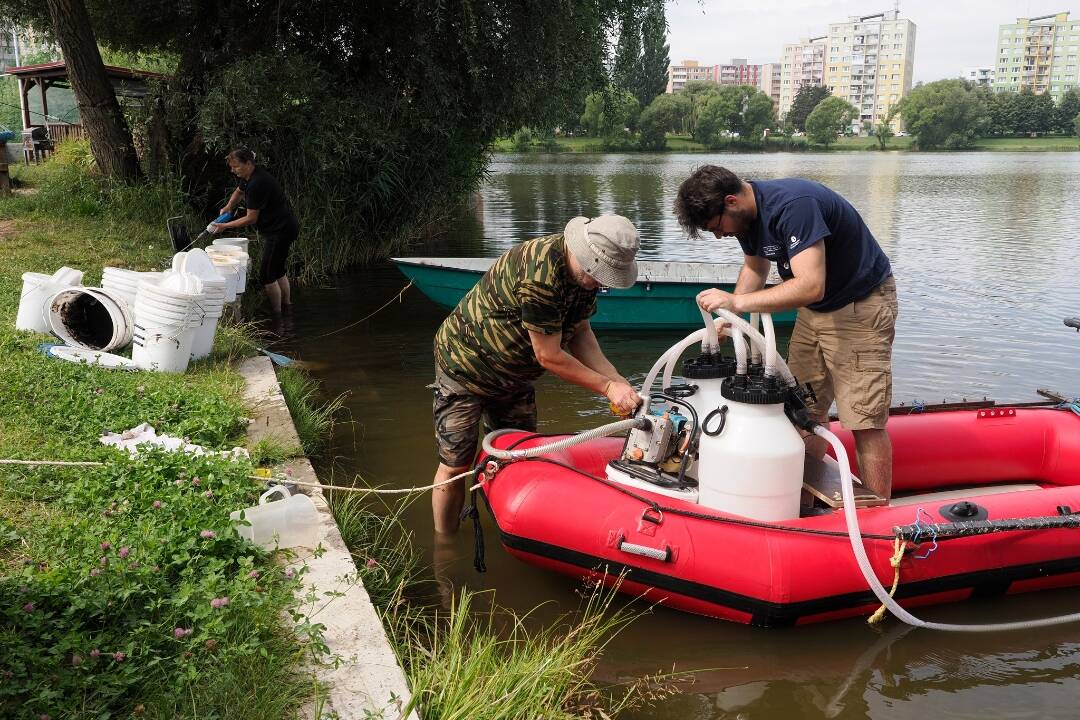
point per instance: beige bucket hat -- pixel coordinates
(606, 247)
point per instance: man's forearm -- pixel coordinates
(749, 280)
(788, 295)
(585, 348)
(569, 368)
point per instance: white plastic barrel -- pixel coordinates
(290, 522)
(91, 318)
(238, 242)
(754, 467)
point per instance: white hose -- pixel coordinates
(602, 431)
(855, 535)
(770, 345)
(755, 351)
(740, 349)
(711, 342)
(662, 362)
(756, 337)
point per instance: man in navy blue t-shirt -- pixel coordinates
(837, 276)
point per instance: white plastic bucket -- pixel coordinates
(36, 289)
(237, 242)
(290, 522)
(203, 343)
(91, 318)
(161, 346)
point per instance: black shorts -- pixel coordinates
(275, 253)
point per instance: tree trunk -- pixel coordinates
(110, 138)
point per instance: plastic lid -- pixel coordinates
(753, 390)
(708, 366)
(92, 357)
(197, 263)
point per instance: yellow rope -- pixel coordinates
(898, 555)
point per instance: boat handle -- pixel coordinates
(663, 555)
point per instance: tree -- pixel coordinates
(611, 114)
(99, 110)
(1067, 108)
(401, 101)
(1033, 113)
(735, 111)
(945, 113)
(1076, 125)
(882, 131)
(698, 93)
(653, 73)
(804, 103)
(666, 113)
(627, 66)
(828, 119)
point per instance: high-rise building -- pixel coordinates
(739, 72)
(869, 63)
(1038, 53)
(978, 75)
(690, 71)
(801, 63)
(770, 81)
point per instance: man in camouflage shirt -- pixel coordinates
(529, 313)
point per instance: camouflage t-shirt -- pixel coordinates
(484, 343)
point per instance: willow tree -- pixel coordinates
(99, 110)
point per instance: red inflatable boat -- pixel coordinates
(983, 505)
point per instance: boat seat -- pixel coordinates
(821, 478)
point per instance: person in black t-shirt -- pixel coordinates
(270, 212)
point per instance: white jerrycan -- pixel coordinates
(286, 523)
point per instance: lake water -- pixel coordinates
(983, 246)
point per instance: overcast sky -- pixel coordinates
(949, 34)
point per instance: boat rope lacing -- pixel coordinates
(899, 546)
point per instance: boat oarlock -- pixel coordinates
(713, 470)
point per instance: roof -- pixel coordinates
(58, 69)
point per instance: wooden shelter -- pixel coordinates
(125, 81)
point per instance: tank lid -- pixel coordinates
(753, 390)
(707, 366)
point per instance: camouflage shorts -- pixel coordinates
(457, 415)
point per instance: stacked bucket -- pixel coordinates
(169, 318)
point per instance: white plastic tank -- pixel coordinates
(706, 373)
(753, 465)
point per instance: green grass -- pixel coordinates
(465, 663)
(314, 419)
(63, 594)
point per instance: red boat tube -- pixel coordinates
(561, 512)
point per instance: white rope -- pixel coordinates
(283, 479)
(377, 491)
(50, 462)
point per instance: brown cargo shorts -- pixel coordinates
(458, 412)
(846, 355)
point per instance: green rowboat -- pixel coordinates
(662, 298)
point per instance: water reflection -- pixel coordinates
(982, 248)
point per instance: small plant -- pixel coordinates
(314, 420)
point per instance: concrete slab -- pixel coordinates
(368, 681)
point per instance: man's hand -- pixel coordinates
(624, 399)
(214, 228)
(226, 209)
(722, 328)
(714, 299)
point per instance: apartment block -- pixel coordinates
(770, 81)
(801, 63)
(1039, 53)
(979, 75)
(739, 72)
(869, 63)
(690, 71)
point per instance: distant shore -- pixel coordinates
(682, 144)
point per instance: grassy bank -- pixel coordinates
(683, 144)
(485, 664)
(123, 589)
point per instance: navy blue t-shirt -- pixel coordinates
(794, 214)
